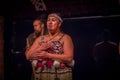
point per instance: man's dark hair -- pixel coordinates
(43, 20)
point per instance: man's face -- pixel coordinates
(37, 25)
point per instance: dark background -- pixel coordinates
(24, 8)
(84, 20)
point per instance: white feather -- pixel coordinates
(34, 62)
(56, 64)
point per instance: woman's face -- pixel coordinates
(37, 25)
(53, 24)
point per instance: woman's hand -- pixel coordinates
(38, 55)
(44, 46)
(42, 54)
(39, 51)
(40, 48)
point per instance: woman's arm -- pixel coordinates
(68, 48)
(35, 49)
(29, 52)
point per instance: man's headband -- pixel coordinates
(56, 16)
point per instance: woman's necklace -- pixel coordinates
(53, 36)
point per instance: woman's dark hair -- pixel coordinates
(58, 13)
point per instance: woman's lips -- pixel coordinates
(49, 26)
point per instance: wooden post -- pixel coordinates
(1, 48)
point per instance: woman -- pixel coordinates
(54, 52)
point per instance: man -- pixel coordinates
(39, 30)
(38, 25)
(105, 54)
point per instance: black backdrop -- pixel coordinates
(84, 32)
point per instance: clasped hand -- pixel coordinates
(41, 54)
(40, 51)
(44, 46)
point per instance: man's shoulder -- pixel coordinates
(30, 35)
(112, 43)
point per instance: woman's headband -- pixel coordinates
(56, 16)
